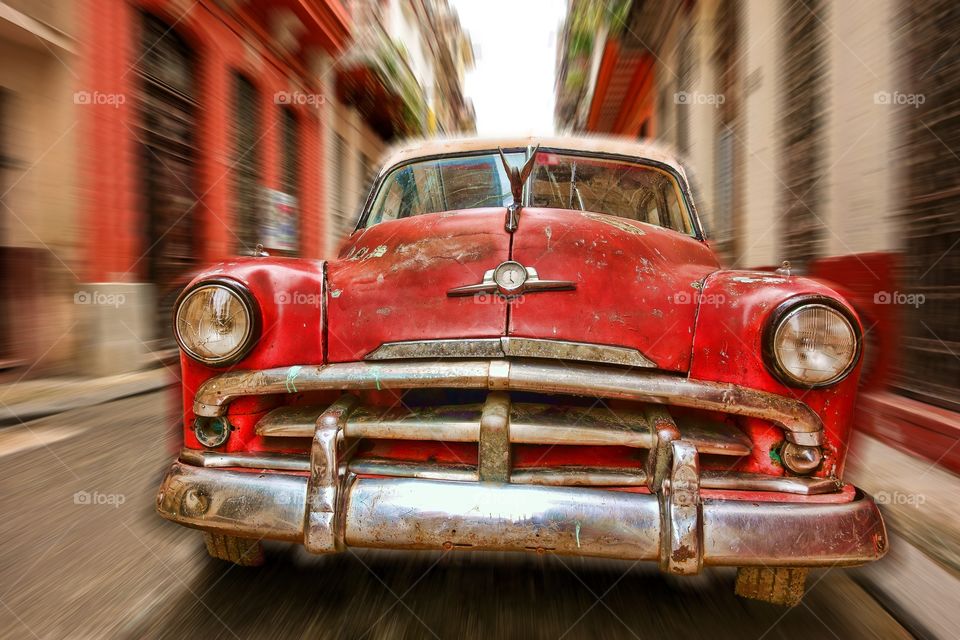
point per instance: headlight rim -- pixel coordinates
(785, 310)
(246, 298)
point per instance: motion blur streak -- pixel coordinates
(143, 140)
(90, 542)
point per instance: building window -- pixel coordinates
(803, 109)
(167, 140)
(340, 220)
(929, 205)
(282, 222)
(290, 154)
(246, 163)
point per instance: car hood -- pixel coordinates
(636, 285)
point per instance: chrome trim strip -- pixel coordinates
(511, 347)
(422, 471)
(801, 423)
(532, 284)
(428, 514)
(514, 347)
(272, 461)
(737, 481)
(406, 350)
(548, 476)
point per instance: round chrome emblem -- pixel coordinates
(510, 276)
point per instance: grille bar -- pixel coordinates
(530, 423)
(548, 476)
(801, 424)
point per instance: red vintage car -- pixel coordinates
(525, 345)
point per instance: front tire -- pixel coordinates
(777, 585)
(245, 552)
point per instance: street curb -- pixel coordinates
(26, 411)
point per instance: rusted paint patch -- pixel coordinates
(683, 553)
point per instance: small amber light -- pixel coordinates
(800, 459)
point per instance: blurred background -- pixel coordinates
(141, 140)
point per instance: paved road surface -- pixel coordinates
(102, 564)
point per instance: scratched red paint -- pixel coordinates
(634, 283)
(392, 283)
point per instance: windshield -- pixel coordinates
(626, 189)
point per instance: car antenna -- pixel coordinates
(518, 178)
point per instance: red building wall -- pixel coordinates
(113, 215)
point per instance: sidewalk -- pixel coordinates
(31, 399)
(919, 577)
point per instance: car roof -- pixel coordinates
(413, 149)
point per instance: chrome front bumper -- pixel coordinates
(677, 527)
(329, 502)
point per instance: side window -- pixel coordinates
(389, 201)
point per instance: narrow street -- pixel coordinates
(102, 564)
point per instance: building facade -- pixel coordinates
(823, 133)
(140, 140)
(143, 139)
(401, 77)
(38, 135)
(200, 137)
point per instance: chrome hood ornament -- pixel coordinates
(511, 279)
(518, 178)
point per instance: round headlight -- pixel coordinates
(215, 322)
(812, 343)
